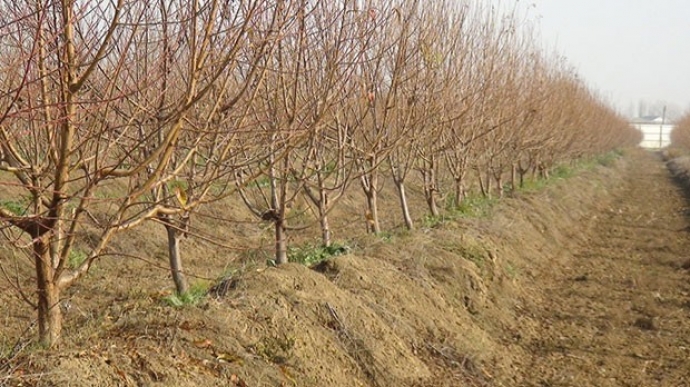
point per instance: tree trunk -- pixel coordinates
(181, 285)
(403, 204)
(369, 184)
(483, 187)
(489, 183)
(522, 172)
(323, 220)
(49, 313)
(431, 202)
(325, 232)
(459, 191)
(281, 241)
(499, 184)
(543, 172)
(321, 202)
(372, 212)
(513, 178)
(429, 177)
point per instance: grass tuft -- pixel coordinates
(193, 296)
(310, 254)
(76, 257)
(609, 159)
(15, 207)
(475, 206)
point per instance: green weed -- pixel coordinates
(531, 185)
(562, 172)
(511, 271)
(608, 159)
(311, 254)
(195, 294)
(475, 206)
(76, 257)
(431, 221)
(16, 207)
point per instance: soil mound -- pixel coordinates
(577, 284)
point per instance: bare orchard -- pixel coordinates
(127, 114)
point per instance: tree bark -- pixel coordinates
(322, 203)
(430, 186)
(431, 202)
(459, 191)
(403, 204)
(181, 285)
(489, 183)
(369, 184)
(281, 242)
(482, 185)
(373, 225)
(323, 220)
(49, 313)
(499, 184)
(543, 172)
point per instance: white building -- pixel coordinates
(655, 132)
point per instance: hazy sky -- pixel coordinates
(628, 50)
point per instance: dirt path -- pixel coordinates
(619, 313)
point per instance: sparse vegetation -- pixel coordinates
(311, 254)
(197, 292)
(475, 206)
(14, 207)
(76, 258)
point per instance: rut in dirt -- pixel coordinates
(618, 314)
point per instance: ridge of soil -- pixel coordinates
(584, 283)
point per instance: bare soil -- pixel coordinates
(618, 312)
(583, 283)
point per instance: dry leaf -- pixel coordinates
(181, 196)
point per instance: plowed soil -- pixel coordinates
(584, 282)
(618, 312)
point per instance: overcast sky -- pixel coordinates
(628, 50)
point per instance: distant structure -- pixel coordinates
(656, 131)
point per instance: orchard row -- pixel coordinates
(113, 114)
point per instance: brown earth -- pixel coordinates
(583, 283)
(617, 313)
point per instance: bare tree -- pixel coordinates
(298, 118)
(94, 122)
(225, 43)
(381, 73)
(117, 113)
